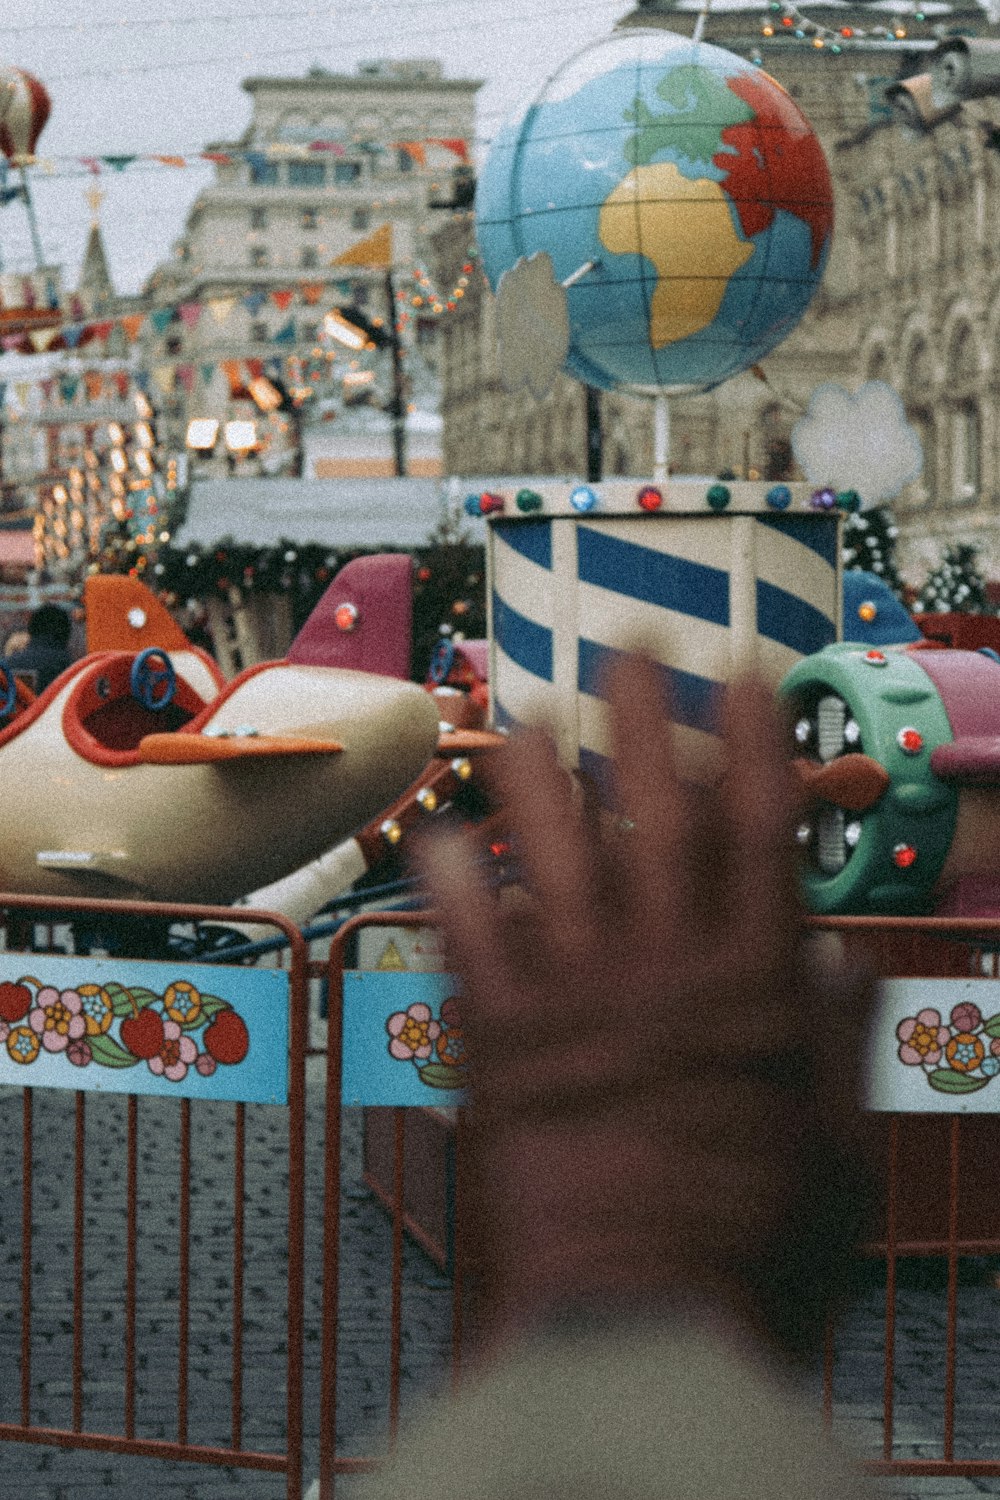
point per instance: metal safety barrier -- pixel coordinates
(141, 1410)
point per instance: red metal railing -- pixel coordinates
(233, 1453)
(929, 948)
(331, 1463)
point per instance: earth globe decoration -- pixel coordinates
(684, 202)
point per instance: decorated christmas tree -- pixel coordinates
(955, 584)
(870, 543)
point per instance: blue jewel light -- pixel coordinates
(583, 498)
(779, 497)
(472, 506)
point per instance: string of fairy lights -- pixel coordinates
(784, 18)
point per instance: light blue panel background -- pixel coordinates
(261, 997)
(371, 1075)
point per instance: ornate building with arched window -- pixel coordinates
(911, 293)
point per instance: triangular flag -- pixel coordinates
(101, 330)
(161, 317)
(285, 335)
(221, 307)
(333, 146)
(375, 250)
(69, 385)
(221, 157)
(207, 374)
(256, 367)
(414, 149)
(22, 389)
(94, 381)
(254, 301)
(91, 163)
(41, 338)
(454, 144)
(122, 383)
(190, 313)
(132, 323)
(164, 378)
(172, 161)
(48, 386)
(311, 291)
(234, 374)
(72, 334)
(10, 341)
(282, 299)
(118, 163)
(185, 376)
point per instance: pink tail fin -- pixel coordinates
(364, 620)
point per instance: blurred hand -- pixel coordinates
(663, 1111)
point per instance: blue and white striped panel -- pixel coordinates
(521, 607)
(701, 593)
(798, 589)
(662, 585)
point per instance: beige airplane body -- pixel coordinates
(225, 790)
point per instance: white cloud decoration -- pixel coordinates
(861, 442)
(533, 325)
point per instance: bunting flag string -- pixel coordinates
(258, 157)
(372, 253)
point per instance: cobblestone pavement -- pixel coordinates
(41, 1473)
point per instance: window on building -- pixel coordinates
(359, 294)
(965, 449)
(263, 173)
(404, 161)
(258, 255)
(921, 418)
(309, 218)
(306, 173)
(426, 331)
(259, 332)
(360, 218)
(309, 257)
(346, 171)
(258, 218)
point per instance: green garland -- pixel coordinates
(870, 544)
(449, 591)
(955, 584)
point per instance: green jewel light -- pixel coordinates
(718, 496)
(528, 500)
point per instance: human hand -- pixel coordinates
(660, 1108)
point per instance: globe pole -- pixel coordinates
(661, 438)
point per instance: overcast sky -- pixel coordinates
(164, 76)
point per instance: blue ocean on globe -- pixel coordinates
(694, 183)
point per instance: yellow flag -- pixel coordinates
(375, 250)
(221, 307)
(41, 338)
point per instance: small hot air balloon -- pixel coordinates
(24, 109)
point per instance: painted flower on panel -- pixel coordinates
(57, 1018)
(964, 1052)
(413, 1032)
(922, 1038)
(966, 1017)
(175, 1055)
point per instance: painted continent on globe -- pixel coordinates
(693, 182)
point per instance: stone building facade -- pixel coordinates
(327, 160)
(910, 294)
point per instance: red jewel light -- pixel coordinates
(345, 616)
(903, 856)
(650, 498)
(911, 741)
(489, 504)
(499, 848)
(875, 658)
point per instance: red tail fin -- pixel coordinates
(364, 620)
(124, 615)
